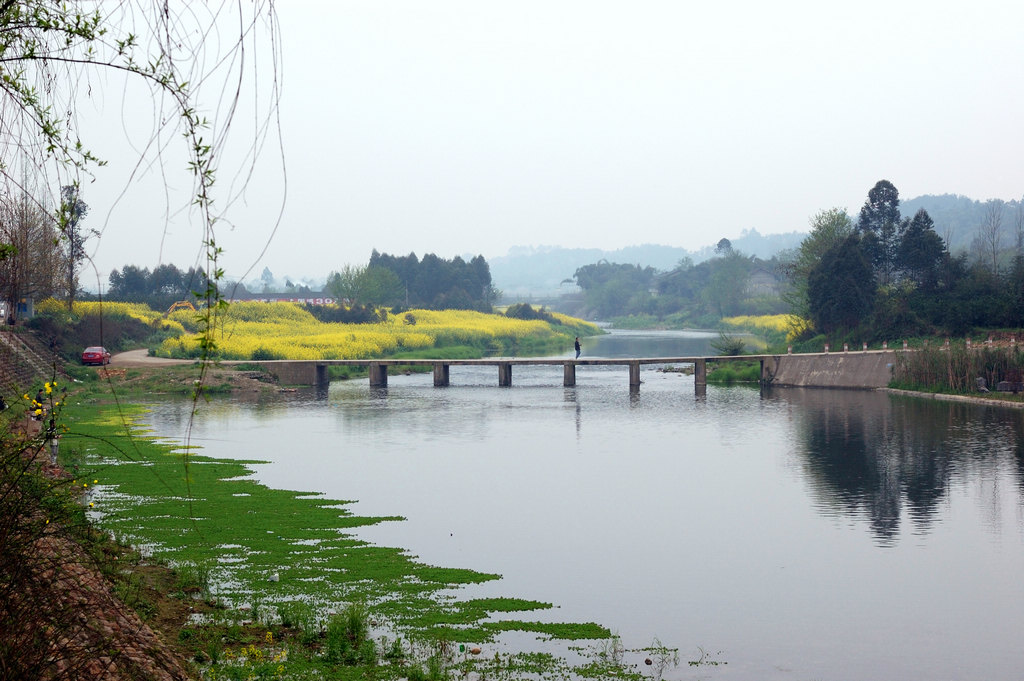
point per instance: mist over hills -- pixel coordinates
(541, 270)
(957, 218)
(528, 271)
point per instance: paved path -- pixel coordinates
(141, 358)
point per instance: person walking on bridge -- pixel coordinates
(577, 347)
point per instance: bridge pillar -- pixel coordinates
(634, 377)
(569, 374)
(441, 375)
(322, 380)
(505, 374)
(378, 375)
(700, 377)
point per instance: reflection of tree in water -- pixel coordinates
(874, 454)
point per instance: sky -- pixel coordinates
(473, 127)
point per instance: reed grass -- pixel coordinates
(956, 369)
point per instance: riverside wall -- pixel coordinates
(859, 370)
(293, 373)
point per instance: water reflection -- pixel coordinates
(889, 458)
(718, 521)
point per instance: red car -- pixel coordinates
(95, 355)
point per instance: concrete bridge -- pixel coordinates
(865, 370)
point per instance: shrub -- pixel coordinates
(347, 640)
(728, 345)
(526, 311)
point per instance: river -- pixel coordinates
(794, 534)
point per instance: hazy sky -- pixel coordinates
(471, 127)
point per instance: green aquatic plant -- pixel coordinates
(288, 558)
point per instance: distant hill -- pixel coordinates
(540, 270)
(957, 217)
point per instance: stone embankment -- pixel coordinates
(24, 361)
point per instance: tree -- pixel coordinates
(990, 233)
(729, 277)
(130, 284)
(439, 283)
(380, 287)
(921, 251)
(881, 228)
(344, 285)
(53, 56)
(841, 288)
(613, 289)
(829, 227)
(1018, 229)
(33, 263)
(72, 210)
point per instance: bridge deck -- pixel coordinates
(836, 364)
(519, 361)
(378, 368)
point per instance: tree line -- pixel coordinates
(888, 276)
(158, 288)
(406, 281)
(730, 283)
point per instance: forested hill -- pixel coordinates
(957, 218)
(540, 271)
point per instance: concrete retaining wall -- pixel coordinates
(292, 373)
(864, 370)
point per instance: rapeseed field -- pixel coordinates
(260, 331)
(780, 325)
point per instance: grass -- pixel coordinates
(726, 373)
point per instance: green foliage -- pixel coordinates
(688, 296)
(895, 278)
(347, 641)
(372, 287)
(71, 334)
(345, 314)
(435, 283)
(728, 345)
(727, 373)
(192, 578)
(526, 311)
(264, 354)
(165, 285)
(881, 229)
(829, 228)
(841, 288)
(956, 369)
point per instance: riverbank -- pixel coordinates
(74, 605)
(1002, 400)
(251, 625)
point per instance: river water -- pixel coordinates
(792, 534)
